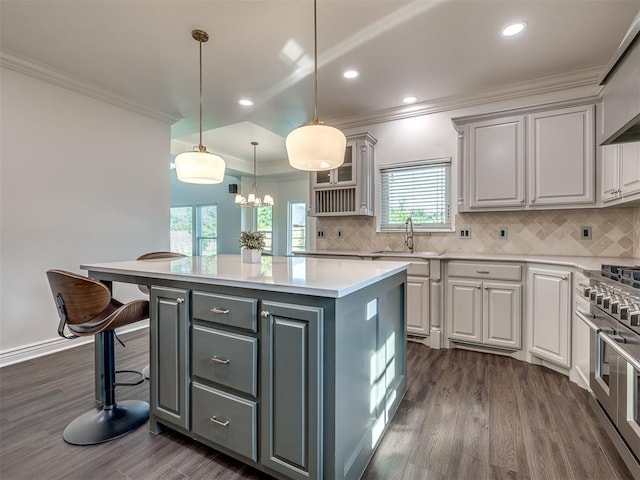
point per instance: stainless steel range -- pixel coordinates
(614, 320)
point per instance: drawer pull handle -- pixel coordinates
(179, 300)
(264, 313)
(218, 422)
(220, 310)
(483, 271)
(221, 360)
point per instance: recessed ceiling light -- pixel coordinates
(410, 99)
(351, 74)
(245, 102)
(514, 29)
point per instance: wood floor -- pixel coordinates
(466, 415)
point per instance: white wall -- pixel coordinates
(80, 181)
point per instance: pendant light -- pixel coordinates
(253, 199)
(199, 165)
(315, 146)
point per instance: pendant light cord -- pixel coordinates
(254, 165)
(315, 59)
(200, 146)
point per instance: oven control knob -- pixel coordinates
(592, 294)
(586, 291)
(606, 303)
(599, 298)
(634, 318)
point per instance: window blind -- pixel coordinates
(418, 191)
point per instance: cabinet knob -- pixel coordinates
(179, 300)
(564, 277)
(486, 288)
(264, 314)
(477, 286)
(533, 199)
(521, 199)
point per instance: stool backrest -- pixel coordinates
(84, 298)
(156, 255)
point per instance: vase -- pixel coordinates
(250, 255)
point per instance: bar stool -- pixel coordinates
(86, 307)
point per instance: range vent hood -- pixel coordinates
(621, 91)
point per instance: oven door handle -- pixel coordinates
(623, 353)
(584, 317)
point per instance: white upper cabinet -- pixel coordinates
(496, 148)
(561, 159)
(530, 159)
(620, 173)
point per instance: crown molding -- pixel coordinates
(556, 83)
(21, 64)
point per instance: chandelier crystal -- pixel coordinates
(253, 199)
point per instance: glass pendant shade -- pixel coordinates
(200, 167)
(316, 147)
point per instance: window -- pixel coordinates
(203, 220)
(181, 230)
(265, 225)
(207, 231)
(297, 226)
(419, 190)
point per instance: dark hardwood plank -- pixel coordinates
(466, 415)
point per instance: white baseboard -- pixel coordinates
(35, 350)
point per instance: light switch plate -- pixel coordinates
(320, 233)
(585, 233)
(464, 233)
(502, 233)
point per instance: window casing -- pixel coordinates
(264, 220)
(297, 231)
(420, 190)
(194, 230)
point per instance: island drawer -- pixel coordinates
(493, 271)
(225, 358)
(237, 312)
(225, 420)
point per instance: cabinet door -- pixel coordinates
(550, 314)
(291, 392)
(418, 305)
(346, 174)
(169, 379)
(561, 153)
(464, 310)
(610, 175)
(502, 314)
(496, 163)
(630, 168)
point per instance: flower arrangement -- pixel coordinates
(252, 240)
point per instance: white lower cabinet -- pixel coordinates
(549, 309)
(487, 312)
(418, 305)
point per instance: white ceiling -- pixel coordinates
(141, 52)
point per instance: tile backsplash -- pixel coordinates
(615, 232)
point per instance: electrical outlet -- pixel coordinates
(320, 233)
(339, 233)
(502, 233)
(464, 233)
(585, 233)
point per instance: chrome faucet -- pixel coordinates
(408, 234)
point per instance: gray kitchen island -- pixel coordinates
(293, 365)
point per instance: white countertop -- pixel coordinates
(308, 276)
(583, 263)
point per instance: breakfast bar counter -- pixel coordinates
(292, 365)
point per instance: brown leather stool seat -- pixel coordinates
(86, 307)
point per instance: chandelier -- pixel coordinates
(253, 199)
